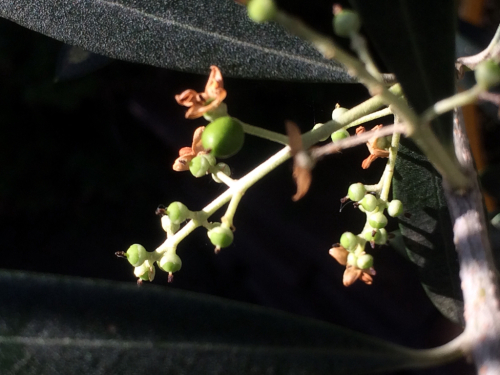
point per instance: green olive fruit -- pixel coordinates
(221, 236)
(338, 111)
(136, 255)
(346, 23)
(177, 212)
(349, 240)
(487, 74)
(317, 126)
(377, 220)
(261, 10)
(356, 192)
(224, 137)
(395, 208)
(369, 202)
(170, 262)
(224, 168)
(339, 134)
(364, 261)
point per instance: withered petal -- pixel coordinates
(303, 179)
(366, 278)
(368, 161)
(182, 163)
(351, 274)
(339, 254)
(197, 145)
(185, 151)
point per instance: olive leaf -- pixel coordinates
(422, 57)
(60, 325)
(187, 35)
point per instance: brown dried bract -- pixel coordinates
(339, 253)
(302, 162)
(352, 274)
(375, 151)
(186, 154)
(201, 102)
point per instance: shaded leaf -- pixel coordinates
(422, 57)
(187, 35)
(55, 325)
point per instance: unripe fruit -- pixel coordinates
(377, 220)
(382, 240)
(136, 255)
(261, 10)
(224, 137)
(145, 271)
(319, 126)
(221, 236)
(338, 111)
(177, 212)
(395, 208)
(170, 262)
(339, 134)
(224, 168)
(384, 142)
(356, 192)
(346, 22)
(364, 261)
(199, 165)
(369, 202)
(349, 241)
(487, 74)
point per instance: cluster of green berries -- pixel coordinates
(222, 138)
(339, 134)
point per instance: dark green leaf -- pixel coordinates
(422, 57)
(187, 35)
(54, 325)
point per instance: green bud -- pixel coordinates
(221, 236)
(346, 23)
(356, 192)
(170, 262)
(317, 126)
(369, 202)
(339, 134)
(261, 10)
(382, 238)
(224, 168)
(395, 208)
(136, 255)
(377, 220)
(364, 261)
(177, 212)
(487, 74)
(145, 272)
(384, 142)
(338, 111)
(198, 166)
(349, 240)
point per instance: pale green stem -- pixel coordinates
(372, 116)
(358, 43)
(231, 208)
(459, 100)
(264, 133)
(389, 168)
(442, 159)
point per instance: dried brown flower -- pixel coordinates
(201, 102)
(352, 274)
(375, 151)
(302, 162)
(188, 153)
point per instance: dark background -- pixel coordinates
(85, 162)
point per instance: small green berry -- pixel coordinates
(369, 202)
(261, 10)
(177, 212)
(384, 142)
(364, 261)
(198, 166)
(136, 255)
(170, 262)
(145, 271)
(351, 259)
(349, 240)
(338, 111)
(356, 192)
(221, 236)
(339, 134)
(377, 220)
(317, 126)
(224, 168)
(395, 208)
(346, 22)
(487, 74)
(224, 137)
(382, 239)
